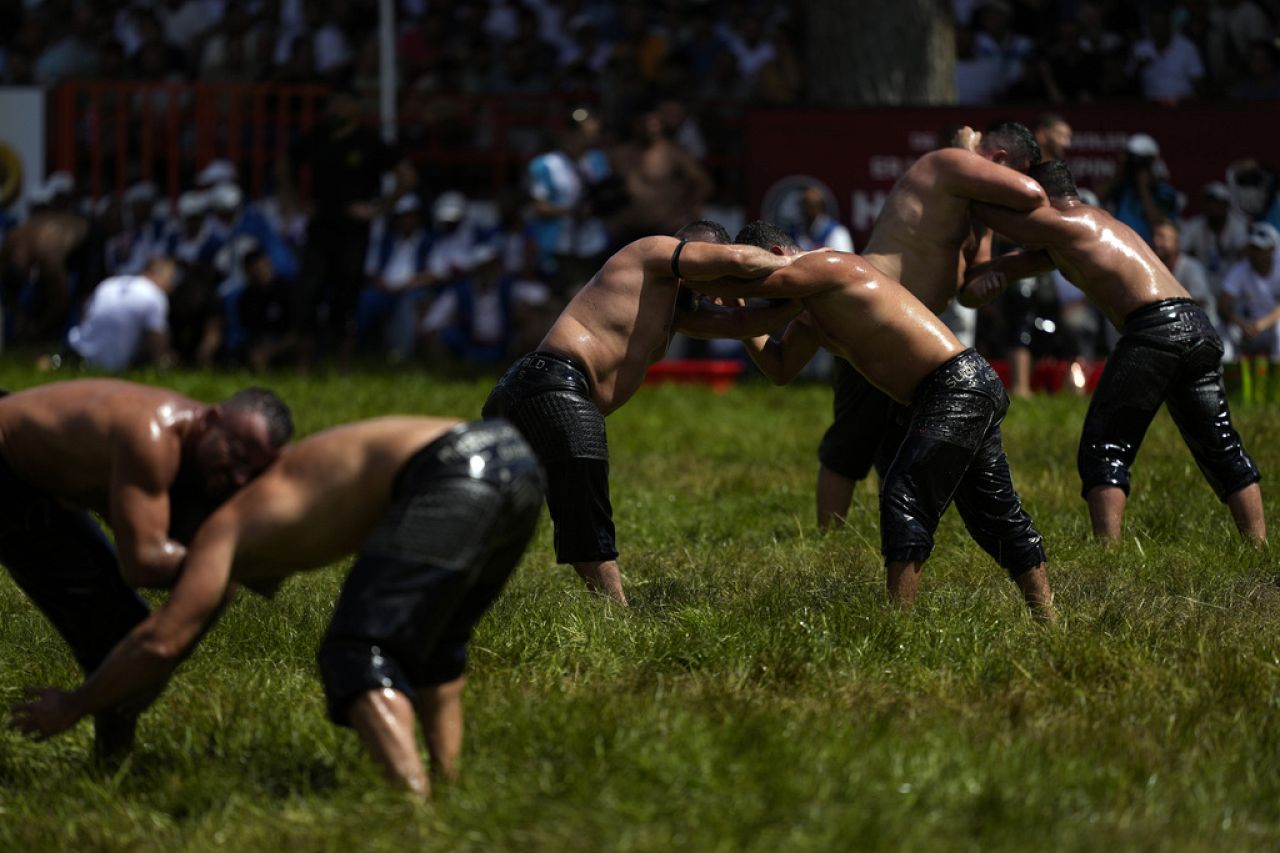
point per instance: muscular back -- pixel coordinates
(888, 335)
(321, 499)
(620, 322)
(921, 236)
(65, 438)
(1102, 256)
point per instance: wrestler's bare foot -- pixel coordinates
(835, 493)
(903, 579)
(603, 578)
(440, 712)
(1246, 510)
(1035, 591)
(1106, 514)
(384, 721)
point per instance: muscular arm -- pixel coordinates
(139, 666)
(782, 360)
(144, 470)
(711, 321)
(972, 176)
(985, 282)
(707, 261)
(1043, 226)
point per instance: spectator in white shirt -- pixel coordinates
(1168, 63)
(397, 270)
(127, 319)
(1251, 292)
(1189, 272)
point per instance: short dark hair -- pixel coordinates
(704, 231)
(1056, 179)
(1015, 138)
(765, 235)
(264, 402)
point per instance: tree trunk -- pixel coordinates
(895, 53)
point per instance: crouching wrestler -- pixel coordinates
(440, 513)
(594, 359)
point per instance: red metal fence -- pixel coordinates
(111, 134)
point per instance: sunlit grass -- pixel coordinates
(759, 695)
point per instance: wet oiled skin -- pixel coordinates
(64, 437)
(858, 312)
(619, 323)
(318, 502)
(1097, 253)
(921, 235)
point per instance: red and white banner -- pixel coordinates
(858, 154)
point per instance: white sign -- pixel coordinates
(21, 145)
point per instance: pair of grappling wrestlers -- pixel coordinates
(440, 511)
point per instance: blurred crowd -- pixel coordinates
(1105, 50)
(375, 262)
(733, 50)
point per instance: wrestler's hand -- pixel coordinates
(50, 712)
(984, 287)
(968, 138)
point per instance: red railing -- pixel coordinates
(110, 134)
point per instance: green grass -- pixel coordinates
(760, 694)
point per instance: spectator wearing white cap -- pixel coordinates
(484, 317)
(192, 243)
(243, 227)
(1251, 292)
(1167, 63)
(452, 238)
(398, 277)
(126, 319)
(1218, 234)
(216, 172)
(1140, 196)
(146, 235)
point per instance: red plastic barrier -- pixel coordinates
(719, 373)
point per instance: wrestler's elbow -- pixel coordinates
(152, 568)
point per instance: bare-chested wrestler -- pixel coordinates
(595, 357)
(952, 448)
(923, 238)
(150, 462)
(1168, 353)
(440, 513)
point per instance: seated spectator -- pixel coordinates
(1251, 293)
(245, 226)
(263, 309)
(994, 38)
(452, 239)
(398, 276)
(126, 319)
(193, 242)
(147, 233)
(1216, 237)
(979, 79)
(488, 316)
(1167, 63)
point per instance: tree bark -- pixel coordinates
(894, 53)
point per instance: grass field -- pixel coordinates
(759, 695)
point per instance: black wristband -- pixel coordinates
(675, 259)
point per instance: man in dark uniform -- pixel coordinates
(348, 160)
